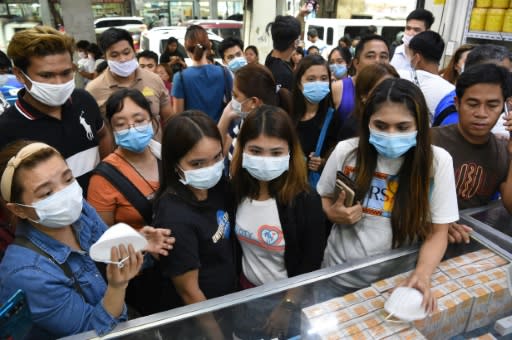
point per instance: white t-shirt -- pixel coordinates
(399, 60)
(258, 228)
(433, 86)
(373, 234)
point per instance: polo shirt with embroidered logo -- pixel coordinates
(149, 83)
(74, 135)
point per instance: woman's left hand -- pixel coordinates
(278, 322)
(159, 240)
(314, 163)
(422, 283)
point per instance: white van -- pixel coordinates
(331, 30)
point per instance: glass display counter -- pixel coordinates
(246, 314)
(492, 221)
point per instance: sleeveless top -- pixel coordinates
(348, 98)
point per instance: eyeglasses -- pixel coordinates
(125, 128)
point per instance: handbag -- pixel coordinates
(314, 176)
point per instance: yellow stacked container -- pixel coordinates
(483, 3)
(500, 3)
(478, 16)
(507, 23)
(494, 20)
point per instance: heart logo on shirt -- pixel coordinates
(270, 235)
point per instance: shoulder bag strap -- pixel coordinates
(323, 132)
(127, 189)
(25, 242)
(183, 85)
(443, 114)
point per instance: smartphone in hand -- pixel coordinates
(345, 183)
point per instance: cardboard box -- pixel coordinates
(451, 317)
(439, 278)
(445, 288)
(390, 282)
(388, 329)
(500, 302)
(484, 265)
(478, 316)
(408, 334)
(465, 259)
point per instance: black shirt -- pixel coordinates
(204, 241)
(281, 70)
(166, 56)
(74, 136)
(309, 131)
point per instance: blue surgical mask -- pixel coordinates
(204, 178)
(135, 139)
(392, 145)
(338, 70)
(265, 168)
(237, 63)
(316, 91)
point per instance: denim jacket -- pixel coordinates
(57, 308)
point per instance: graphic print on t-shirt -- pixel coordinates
(86, 126)
(267, 237)
(223, 230)
(380, 198)
(468, 180)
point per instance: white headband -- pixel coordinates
(14, 163)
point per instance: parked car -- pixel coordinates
(223, 28)
(10, 26)
(134, 25)
(156, 40)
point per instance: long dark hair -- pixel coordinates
(270, 121)
(410, 217)
(180, 136)
(299, 101)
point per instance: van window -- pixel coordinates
(319, 29)
(354, 31)
(118, 22)
(389, 33)
(330, 36)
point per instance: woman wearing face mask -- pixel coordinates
(136, 160)
(312, 102)
(202, 86)
(340, 60)
(49, 258)
(278, 217)
(194, 201)
(253, 86)
(405, 189)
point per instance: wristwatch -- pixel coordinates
(289, 305)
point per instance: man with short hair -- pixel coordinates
(481, 161)
(123, 71)
(314, 40)
(49, 109)
(446, 112)
(371, 49)
(417, 21)
(425, 53)
(231, 51)
(148, 60)
(285, 31)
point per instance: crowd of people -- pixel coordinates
(235, 165)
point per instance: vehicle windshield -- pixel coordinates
(117, 22)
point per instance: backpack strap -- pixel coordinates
(438, 120)
(22, 241)
(127, 189)
(183, 85)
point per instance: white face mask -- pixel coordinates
(237, 107)
(265, 168)
(51, 94)
(406, 39)
(61, 208)
(82, 55)
(123, 69)
(204, 178)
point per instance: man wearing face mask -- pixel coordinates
(417, 21)
(49, 108)
(123, 71)
(425, 53)
(232, 52)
